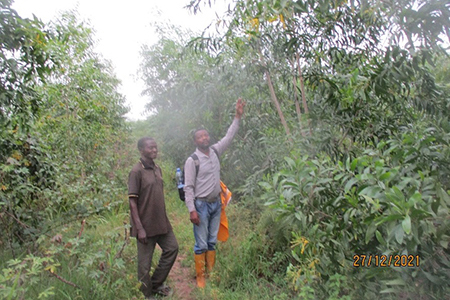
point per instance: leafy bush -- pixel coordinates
(64, 134)
(389, 200)
(75, 265)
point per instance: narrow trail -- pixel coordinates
(183, 283)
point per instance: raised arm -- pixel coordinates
(225, 142)
(240, 104)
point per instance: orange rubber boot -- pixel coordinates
(200, 269)
(210, 260)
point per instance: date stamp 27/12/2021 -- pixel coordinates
(372, 260)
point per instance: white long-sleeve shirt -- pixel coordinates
(207, 182)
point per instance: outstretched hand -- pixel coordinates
(240, 104)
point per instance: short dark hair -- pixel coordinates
(197, 130)
(140, 143)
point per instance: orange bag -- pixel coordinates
(225, 196)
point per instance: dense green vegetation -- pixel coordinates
(343, 151)
(63, 145)
(345, 140)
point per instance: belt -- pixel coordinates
(210, 200)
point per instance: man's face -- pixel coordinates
(202, 139)
(149, 150)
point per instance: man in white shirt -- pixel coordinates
(202, 192)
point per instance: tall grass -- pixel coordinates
(93, 260)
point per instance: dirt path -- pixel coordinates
(183, 282)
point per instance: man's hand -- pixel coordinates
(194, 217)
(240, 104)
(142, 236)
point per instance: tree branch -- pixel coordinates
(64, 280)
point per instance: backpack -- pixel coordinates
(197, 168)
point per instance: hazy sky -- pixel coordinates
(121, 28)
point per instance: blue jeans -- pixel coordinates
(206, 232)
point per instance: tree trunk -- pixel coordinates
(302, 89)
(277, 104)
(274, 96)
(297, 103)
(302, 85)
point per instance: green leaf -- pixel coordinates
(435, 205)
(434, 279)
(443, 195)
(354, 164)
(444, 244)
(388, 218)
(385, 176)
(296, 257)
(416, 198)
(397, 281)
(380, 238)
(265, 185)
(399, 234)
(389, 291)
(299, 216)
(290, 162)
(370, 231)
(398, 194)
(371, 191)
(350, 183)
(406, 224)
(339, 176)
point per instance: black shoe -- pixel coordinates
(163, 291)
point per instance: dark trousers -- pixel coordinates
(169, 246)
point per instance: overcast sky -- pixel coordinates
(122, 27)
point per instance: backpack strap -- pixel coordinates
(197, 161)
(217, 153)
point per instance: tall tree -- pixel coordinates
(61, 115)
(328, 40)
(380, 123)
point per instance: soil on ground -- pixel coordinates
(182, 280)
